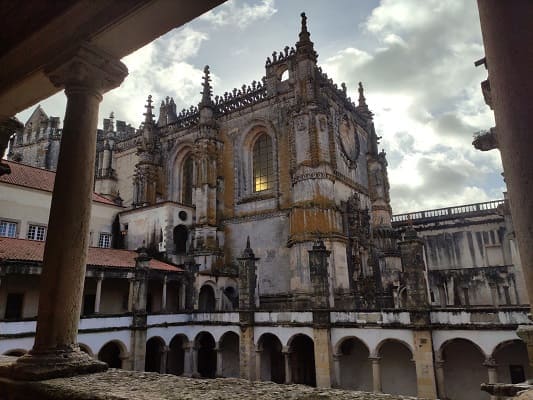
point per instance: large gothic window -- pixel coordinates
(263, 170)
(186, 182)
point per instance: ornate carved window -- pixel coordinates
(186, 180)
(263, 169)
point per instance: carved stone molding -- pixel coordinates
(87, 67)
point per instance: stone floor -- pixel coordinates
(119, 384)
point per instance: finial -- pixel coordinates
(304, 46)
(149, 116)
(304, 22)
(248, 252)
(248, 242)
(362, 100)
(207, 92)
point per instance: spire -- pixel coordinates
(207, 92)
(304, 46)
(149, 116)
(248, 252)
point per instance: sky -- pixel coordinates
(414, 57)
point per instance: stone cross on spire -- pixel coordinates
(148, 115)
(207, 92)
(362, 100)
(304, 33)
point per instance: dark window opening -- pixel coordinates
(14, 305)
(88, 304)
(206, 300)
(180, 235)
(517, 373)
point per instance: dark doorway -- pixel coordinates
(176, 355)
(180, 235)
(14, 306)
(206, 299)
(303, 360)
(272, 363)
(110, 354)
(154, 352)
(207, 356)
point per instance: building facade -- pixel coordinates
(269, 207)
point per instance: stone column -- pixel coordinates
(219, 372)
(164, 295)
(183, 291)
(287, 359)
(376, 375)
(323, 358)
(439, 372)
(423, 358)
(130, 296)
(85, 74)
(164, 358)
(98, 295)
(337, 370)
(492, 370)
(507, 37)
(188, 359)
(139, 324)
(194, 359)
(258, 354)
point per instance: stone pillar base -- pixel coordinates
(525, 332)
(36, 366)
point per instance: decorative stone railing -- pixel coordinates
(477, 317)
(489, 207)
(237, 99)
(284, 317)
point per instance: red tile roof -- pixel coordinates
(32, 250)
(37, 178)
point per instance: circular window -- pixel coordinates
(182, 215)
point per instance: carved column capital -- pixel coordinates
(87, 67)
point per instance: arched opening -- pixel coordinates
(463, 370)
(111, 353)
(284, 75)
(302, 360)
(15, 353)
(232, 297)
(512, 362)
(207, 356)
(180, 235)
(86, 349)
(176, 355)
(355, 366)
(206, 299)
(229, 348)
(153, 361)
(398, 372)
(263, 165)
(272, 363)
(187, 181)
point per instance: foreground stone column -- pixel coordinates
(337, 369)
(376, 375)
(492, 371)
(218, 350)
(164, 295)
(164, 359)
(507, 37)
(323, 358)
(258, 354)
(423, 357)
(287, 359)
(188, 359)
(86, 74)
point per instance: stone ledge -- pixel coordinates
(120, 385)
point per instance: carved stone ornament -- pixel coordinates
(88, 67)
(349, 141)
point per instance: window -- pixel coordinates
(186, 182)
(263, 171)
(8, 229)
(36, 232)
(88, 304)
(105, 240)
(14, 305)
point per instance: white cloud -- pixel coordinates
(240, 15)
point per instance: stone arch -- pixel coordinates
(15, 352)
(207, 298)
(463, 369)
(207, 357)
(180, 236)
(228, 345)
(398, 372)
(302, 359)
(181, 153)
(112, 353)
(355, 366)
(231, 295)
(511, 360)
(155, 355)
(86, 349)
(272, 362)
(176, 355)
(243, 146)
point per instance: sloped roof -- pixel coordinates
(37, 178)
(32, 250)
